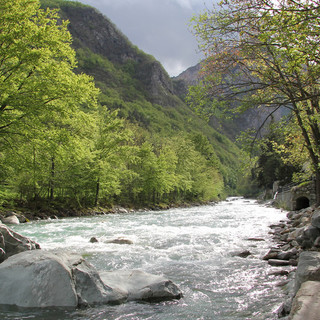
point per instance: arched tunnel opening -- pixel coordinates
(302, 203)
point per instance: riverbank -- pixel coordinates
(29, 213)
(298, 245)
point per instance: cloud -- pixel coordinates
(159, 28)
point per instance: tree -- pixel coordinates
(36, 69)
(110, 152)
(266, 53)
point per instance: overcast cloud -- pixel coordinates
(158, 27)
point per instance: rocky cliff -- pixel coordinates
(92, 30)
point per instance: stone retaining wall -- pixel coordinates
(297, 197)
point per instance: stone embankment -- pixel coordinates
(298, 245)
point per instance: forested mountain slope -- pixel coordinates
(141, 145)
(132, 81)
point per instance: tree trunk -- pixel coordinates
(51, 182)
(317, 187)
(96, 200)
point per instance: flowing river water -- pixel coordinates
(191, 246)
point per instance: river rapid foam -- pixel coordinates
(193, 247)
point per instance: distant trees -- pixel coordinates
(265, 53)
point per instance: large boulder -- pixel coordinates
(52, 279)
(308, 236)
(306, 303)
(308, 268)
(315, 221)
(59, 279)
(91, 289)
(140, 285)
(10, 219)
(12, 243)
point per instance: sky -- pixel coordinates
(158, 27)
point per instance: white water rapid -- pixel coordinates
(193, 247)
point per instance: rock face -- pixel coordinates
(306, 303)
(32, 279)
(12, 243)
(308, 268)
(92, 30)
(59, 279)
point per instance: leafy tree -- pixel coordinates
(263, 53)
(36, 68)
(110, 151)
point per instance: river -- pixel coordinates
(191, 246)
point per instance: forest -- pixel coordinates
(78, 130)
(265, 54)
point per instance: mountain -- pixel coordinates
(232, 127)
(136, 84)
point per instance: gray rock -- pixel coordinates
(122, 210)
(91, 289)
(279, 273)
(315, 221)
(37, 279)
(120, 241)
(312, 233)
(317, 243)
(12, 242)
(308, 237)
(52, 279)
(140, 285)
(255, 239)
(272, 254)
(241, 254)
(93, 240)
(61, 279)
(284, 309)
(293, 235)
(279, 263)
(306, 303)
(12, 219)
(287, 255)
(308, 268)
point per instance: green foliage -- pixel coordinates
(64, 141)
(263, 53)
(36, 72)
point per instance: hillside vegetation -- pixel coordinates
(137, 144)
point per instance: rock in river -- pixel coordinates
(10, 219)
(139, 285)
(60, 279)
(12, 243)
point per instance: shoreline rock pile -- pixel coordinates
(298, 245)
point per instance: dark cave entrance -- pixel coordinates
(302, 203)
